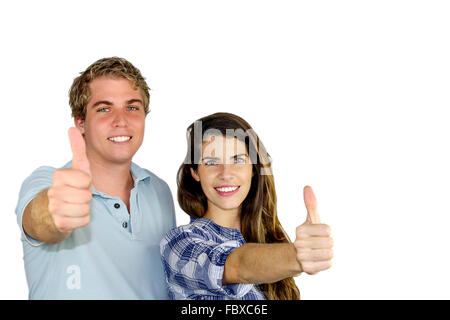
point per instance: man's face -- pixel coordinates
(115, 121)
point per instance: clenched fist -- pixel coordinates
(313, 242)
(70, 192)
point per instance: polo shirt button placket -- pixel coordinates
(124, 224)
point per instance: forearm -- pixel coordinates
(261, 263)
(38, 223)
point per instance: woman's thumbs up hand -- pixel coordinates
(313, 242)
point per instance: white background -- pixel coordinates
(350, 97)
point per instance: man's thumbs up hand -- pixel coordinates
(313, 242)
(78, 146)
(70, 192)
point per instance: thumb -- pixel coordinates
(311, 205)
(78, 146)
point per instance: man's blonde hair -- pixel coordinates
(79, 94)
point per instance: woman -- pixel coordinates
(235, 246)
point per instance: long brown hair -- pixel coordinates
(259, 221)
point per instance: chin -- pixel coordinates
(230, 206)
(120, 160)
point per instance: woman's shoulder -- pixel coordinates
(197, 229)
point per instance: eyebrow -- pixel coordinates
(238, 155)
(131, 101)
(210, 158)
(232, 157)
(109, 103)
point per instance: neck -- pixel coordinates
(226, 218)
(113, 179)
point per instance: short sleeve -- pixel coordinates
(194, 266)
(39, 180)
(166, 199)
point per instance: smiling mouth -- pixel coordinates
(120, 139)
(227, 191)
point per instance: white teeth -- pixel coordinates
(119, 139)
(228, 189)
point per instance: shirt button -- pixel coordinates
(116, 205)
(125, 225)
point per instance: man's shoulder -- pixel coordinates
(43, 170)
(46, 170)
(42, 175)
(143, 174)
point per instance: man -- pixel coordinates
(91, 229)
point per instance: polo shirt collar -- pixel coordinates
(138, 173)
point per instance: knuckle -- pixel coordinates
(86, 220)
(85, 209)
(51, 192)
(326, 265)
(299, 243)
(303, 256)
(60, 223)
(305, 265)
(309, 267)
(328, 254)
(84, 179)
(58, 175)
(331, 254)
(53, 206)
(331, 242)
(301, 231)
(88, 196)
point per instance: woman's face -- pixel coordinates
(224, 172)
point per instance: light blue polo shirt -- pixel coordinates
(116, 256)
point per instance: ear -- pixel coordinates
(195, 175)
(79, 123)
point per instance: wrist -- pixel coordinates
(296, 263)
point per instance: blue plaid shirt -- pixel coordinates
(194, 256)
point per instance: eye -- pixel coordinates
(104, 109)
(133, 108)
(239, 160)
(210, 162)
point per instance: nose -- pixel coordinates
(120, 119)
(226, 172)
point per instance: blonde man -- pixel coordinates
(91, 229)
